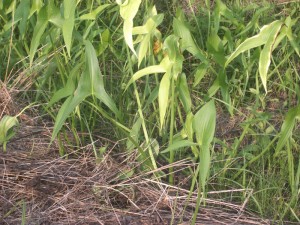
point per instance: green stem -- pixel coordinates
(140, 111)
(172, 153)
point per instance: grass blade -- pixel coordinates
(69, 21)
(22, 12)
(287, 128)
(39, 29)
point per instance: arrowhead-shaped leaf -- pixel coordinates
(128, 10)
(255, 41)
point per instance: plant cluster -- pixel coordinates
(165, 79)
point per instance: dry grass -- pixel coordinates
(77, 190)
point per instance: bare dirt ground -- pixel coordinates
(43, 188)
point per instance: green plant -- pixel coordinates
(218, 86)
(7, 125)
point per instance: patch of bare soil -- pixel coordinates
(77, 190)
(43, 188)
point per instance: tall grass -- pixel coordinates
(164, 79)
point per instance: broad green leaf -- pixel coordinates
(10, 6)
(100, 93)
(227, 13)
(254, 20)
(189, 130)
(214, 88)
(179, 144)
(188, 126)
(200, 73)
(55, 16)
(161, 68)
(96, 78)
(139, 30)
(36, 6)
(6, 129)
(255, 41)
(39, 29)
(171, 46)
(105, 41)
(128, 10)
(22, 12)
(69, 21)
(68, 89)
(265, 55)
(184, 93)
(216, 49)
(83, 90)
(187, 41)
(150, 28)
(163, 97)
(150, 25)
(90, 83)
(204, 123)
(93, 15)
(287, 128)
(143, 48)
(222, 78)
(6, 125)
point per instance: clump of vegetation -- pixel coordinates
(216, 83)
